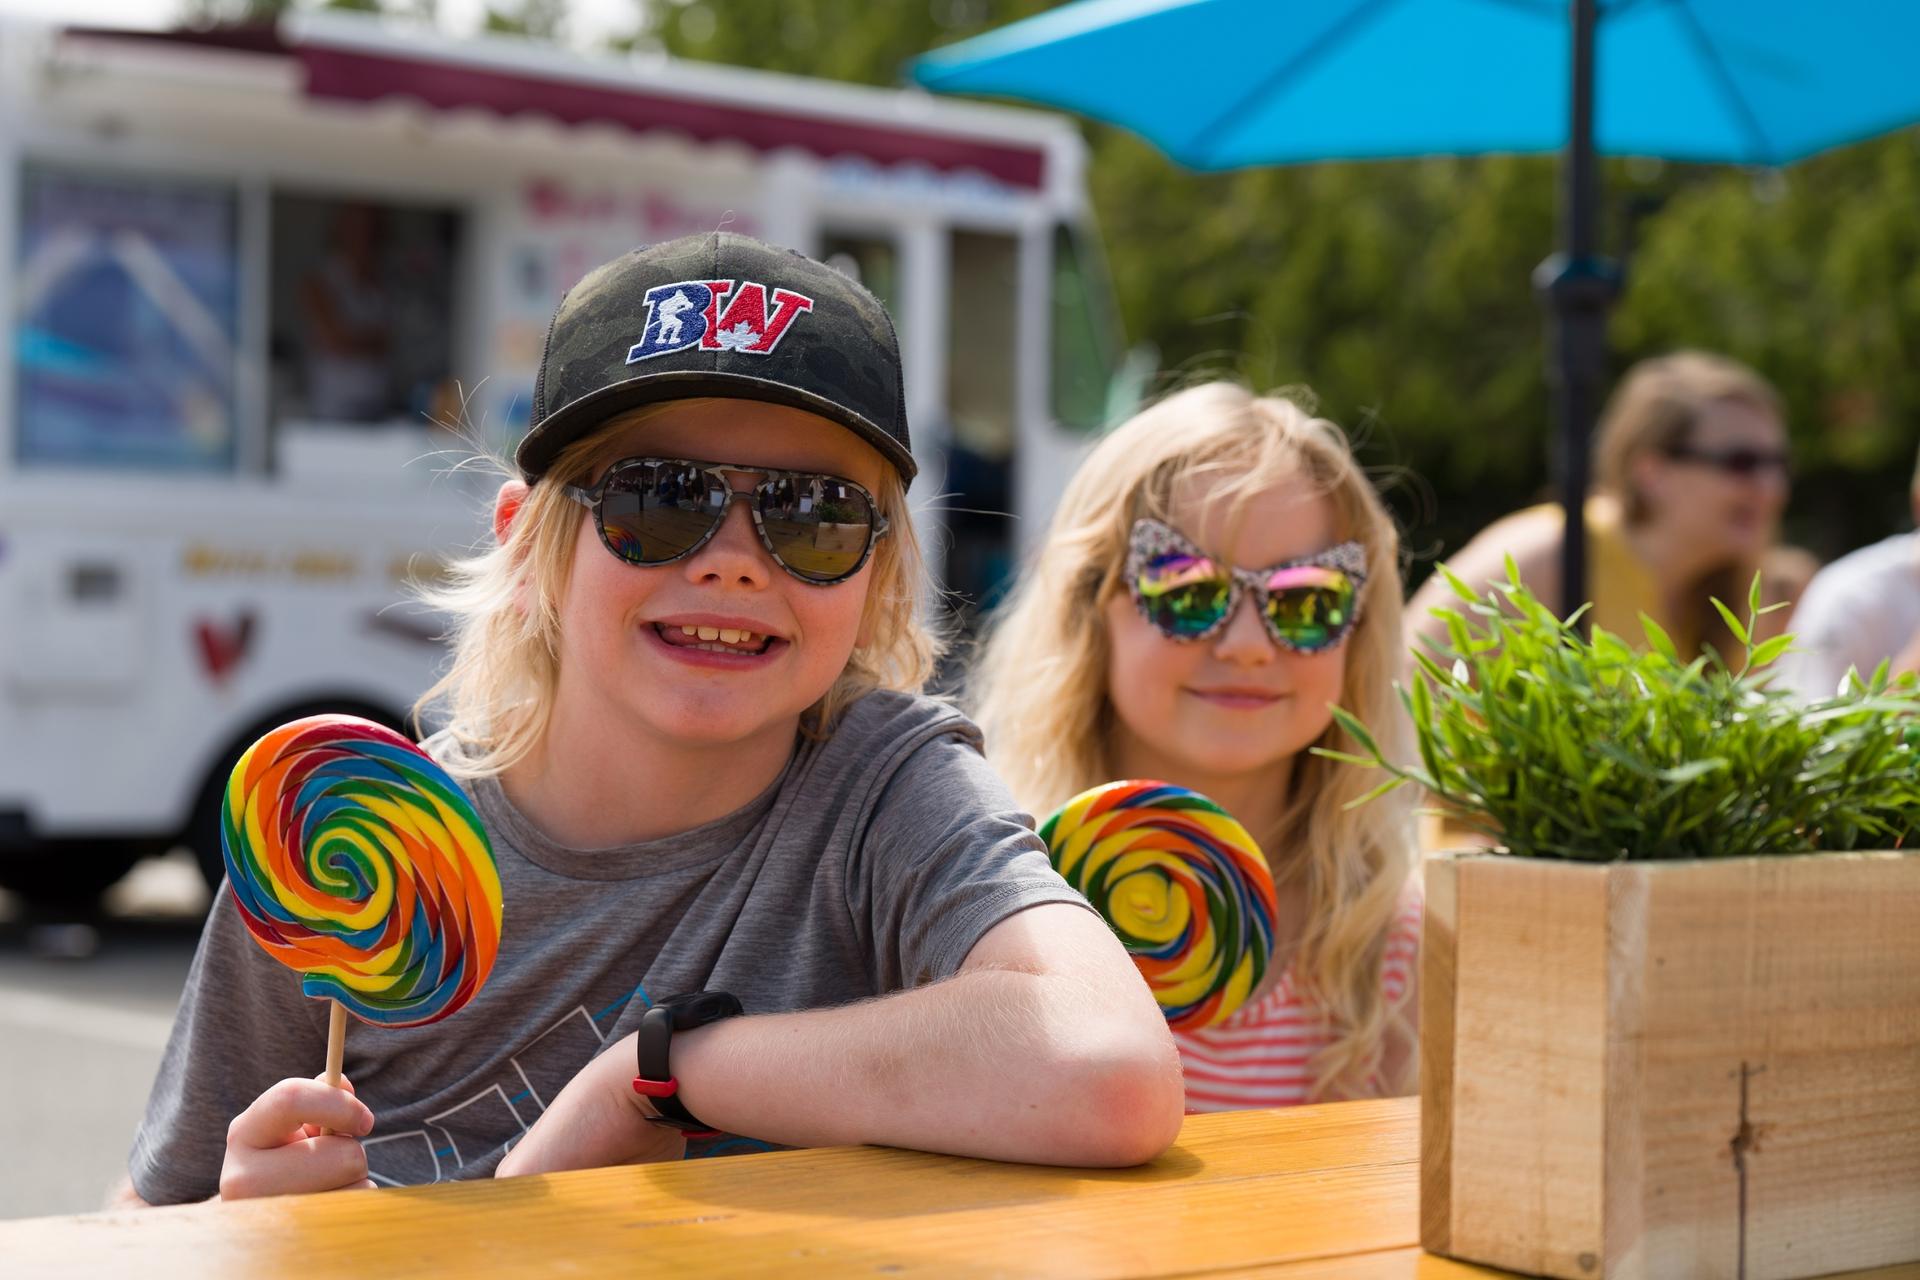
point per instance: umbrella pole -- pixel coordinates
(1580, 285)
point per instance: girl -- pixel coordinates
(755, 883)
(1218, 573)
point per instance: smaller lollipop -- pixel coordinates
(358, 862)
(1183, 885)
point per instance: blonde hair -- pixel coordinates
(505, 605)
(1040, 688)
(1654, 410)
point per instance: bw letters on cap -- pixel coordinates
(718, 315)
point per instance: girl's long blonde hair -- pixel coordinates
(504, 602)
(1039, 689)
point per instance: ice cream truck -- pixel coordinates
(262, 289)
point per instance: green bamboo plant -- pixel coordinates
(1561, 745)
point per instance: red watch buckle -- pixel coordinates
(656, 1088)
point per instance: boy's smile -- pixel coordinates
(734, 640)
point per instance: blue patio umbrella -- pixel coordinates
(1223, 84)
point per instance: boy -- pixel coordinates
(756, 884)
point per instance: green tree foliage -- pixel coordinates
(1398, 292)
(1401, 292)
(208, 12)
(538, 18)
(837, 39)
(1812, 274)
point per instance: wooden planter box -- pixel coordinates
(1690, 1069)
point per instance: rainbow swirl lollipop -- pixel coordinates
(1181, 882)
(357, 861)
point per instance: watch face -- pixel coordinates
(700, 1008)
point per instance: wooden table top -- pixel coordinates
(1329, 1192)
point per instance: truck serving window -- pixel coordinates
(362, 312)
(125, 321)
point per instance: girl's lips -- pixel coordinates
(710, 660)
(1239, 699)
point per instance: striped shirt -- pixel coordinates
(1262, 1056)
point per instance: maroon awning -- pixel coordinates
(356, 75)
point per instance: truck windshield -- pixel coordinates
(126, 321)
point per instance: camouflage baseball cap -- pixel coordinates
(718, 315)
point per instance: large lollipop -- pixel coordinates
(1182, 883)
(358, 862)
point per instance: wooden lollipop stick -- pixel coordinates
(336, 1042)
(336, 1045)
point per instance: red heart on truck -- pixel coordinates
(222, 647)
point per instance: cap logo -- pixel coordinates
(714, 315)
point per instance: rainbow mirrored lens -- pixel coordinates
(1183, 595)
(1310, 606)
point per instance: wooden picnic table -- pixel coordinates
(1325, 1192)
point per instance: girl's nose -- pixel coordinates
(1244, 639)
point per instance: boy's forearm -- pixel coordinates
(998, 1063)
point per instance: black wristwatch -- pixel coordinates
(657, 1025)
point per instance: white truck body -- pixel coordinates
(188, 554)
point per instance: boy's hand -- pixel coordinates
(275, 1147)
(596, 1121)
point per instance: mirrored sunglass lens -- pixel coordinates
(1183, 595)
(820, 527)
(651, 514)
(1311, 606)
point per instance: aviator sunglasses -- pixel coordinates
(1308, 604)
(654, 511)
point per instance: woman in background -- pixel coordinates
(1691, 469)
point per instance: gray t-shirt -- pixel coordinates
(872, 864)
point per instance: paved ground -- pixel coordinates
(81, 1035)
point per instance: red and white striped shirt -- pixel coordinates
(1262, 1056)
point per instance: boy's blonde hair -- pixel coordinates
(1040, 688)
(505, 605)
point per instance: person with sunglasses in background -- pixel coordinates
(1220, 573)
(759, 889)
(1859, 611)
(1691, 474)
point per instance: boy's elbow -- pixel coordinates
(123, 1196)
(1128, 1102)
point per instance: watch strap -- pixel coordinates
(654, 1044)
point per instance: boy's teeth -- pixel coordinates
(721, 637)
